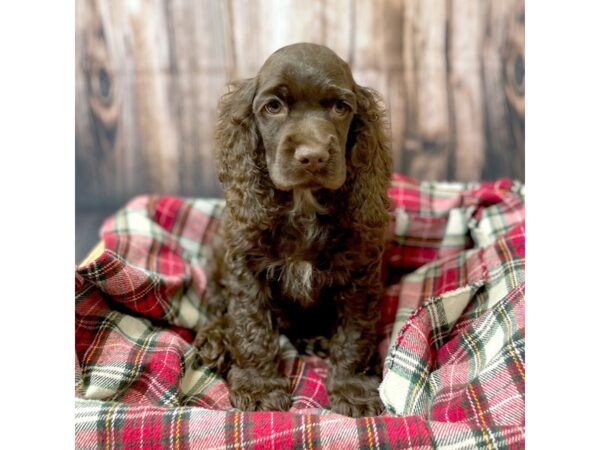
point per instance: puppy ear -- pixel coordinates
(239, 158)
(369, 159)
(236, 136)
(238, 100)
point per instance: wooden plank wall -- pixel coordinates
(150, 73)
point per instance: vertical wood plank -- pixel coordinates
(84, 141)
(432, 101)
(155, 114)
(200, 35)
(393, 28)
(425, 72)
(514, 70)
(394, 35)
(466, 31)
(338, 27)
(202, 49)
(410, 145)
(369, 43)
(102, 130)
(126, 150)
(288, 21)
(501, 142)
(281, 22)
(245, 21)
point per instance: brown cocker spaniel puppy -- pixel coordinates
(304, 162)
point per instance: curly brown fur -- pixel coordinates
(304, 161)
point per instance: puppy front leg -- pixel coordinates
(254, 379)
(351, 385)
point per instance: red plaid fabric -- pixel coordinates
(452, 333)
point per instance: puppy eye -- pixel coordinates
(341, 108)
(274, 107)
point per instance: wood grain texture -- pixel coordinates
(431, 129)
(503, 22)
(465, 88)
(150, 72)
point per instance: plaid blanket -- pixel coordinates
(452, 332)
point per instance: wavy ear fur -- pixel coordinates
(236, 135)
(239, 158)
(369, 160)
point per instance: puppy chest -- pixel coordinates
(298, 281)
(302, 267)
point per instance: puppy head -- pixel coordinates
(304, 105)
(303, 124)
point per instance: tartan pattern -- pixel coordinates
(452, 332)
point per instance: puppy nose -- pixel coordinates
(311, 158)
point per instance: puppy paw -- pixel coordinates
(356, 396)
(212, 345)
(249, 391)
